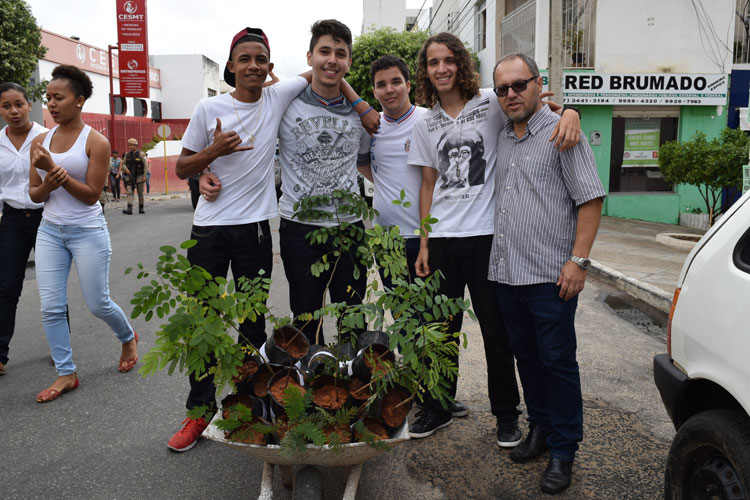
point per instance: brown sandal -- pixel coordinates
(50, 394)
(126, 365)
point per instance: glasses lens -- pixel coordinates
(518, 87)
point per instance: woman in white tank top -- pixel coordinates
(71, 162)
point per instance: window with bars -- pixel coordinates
(481, 26)
(579, 30)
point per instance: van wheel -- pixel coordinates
(710, 458)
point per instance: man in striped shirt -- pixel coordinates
(455, 143)
(547, 209)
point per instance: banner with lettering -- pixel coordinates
(132, 38)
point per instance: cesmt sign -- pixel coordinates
(132, 38)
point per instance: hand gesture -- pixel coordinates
(41, 159)
(209, 186)
(371, 122)
(274, 79)
(55, 178)
(423, 265)
(226, 143)
(571, 280)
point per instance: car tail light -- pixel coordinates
(669, 321)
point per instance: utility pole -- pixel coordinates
(555, 49)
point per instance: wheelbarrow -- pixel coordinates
(307, 483)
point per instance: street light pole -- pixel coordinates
(556, 49)
(111, 133)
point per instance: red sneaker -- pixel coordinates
(185, 438)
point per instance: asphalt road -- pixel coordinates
(107, 439)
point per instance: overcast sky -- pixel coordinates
(207, 26)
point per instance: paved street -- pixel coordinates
(107, 439)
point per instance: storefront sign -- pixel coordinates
(641, 143)
(132, 37)
(646, 89)
(64, 50)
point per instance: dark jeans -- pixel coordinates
(464, 262)
(542, 335)
(247, 248)
(17, 238)
(114, 184)
(306, 291)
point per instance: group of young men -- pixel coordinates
(515, 192)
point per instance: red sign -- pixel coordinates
(132, 37)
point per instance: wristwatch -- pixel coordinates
(582, 262)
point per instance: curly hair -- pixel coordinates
(467, 77)
(79, 81)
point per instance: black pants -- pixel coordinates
(247, 248)
(464, 262)
(305, 290)
(17, 237)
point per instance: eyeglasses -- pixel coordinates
(518, 87)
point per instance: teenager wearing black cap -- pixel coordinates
(234, 134)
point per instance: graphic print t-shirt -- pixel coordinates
(320, 147)
(463, 151)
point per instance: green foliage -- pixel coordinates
(371, 45)
(200, 311)
(20, 46)
(707, 165)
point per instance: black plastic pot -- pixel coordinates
(256, 405)
(259, 382)
(243, 380)
(371, 337)
(370, 423)
(278, 354)
(384, 408)
(277, 405)
(328, 381)
(359, 368)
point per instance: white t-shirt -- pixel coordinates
(389, 149)
(463, 151)
(14, 170)
(320, 149)
(61, 207)
(247, 187)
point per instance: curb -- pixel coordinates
(650, 294)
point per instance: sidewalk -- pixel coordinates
(627, 254)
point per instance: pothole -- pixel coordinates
(649, 320)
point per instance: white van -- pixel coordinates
(704, 380)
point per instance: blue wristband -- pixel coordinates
(357, 102)
(363, 113)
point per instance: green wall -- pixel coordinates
(657, 207)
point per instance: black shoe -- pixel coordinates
(557, 476)
(141, 211)
(458, 409)
(129, 211)
(508, 433)
(428, 421)
(534, 445)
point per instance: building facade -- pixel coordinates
(177, 83)
(641, 72)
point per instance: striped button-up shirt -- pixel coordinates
(537, 193)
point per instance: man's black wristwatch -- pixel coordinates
(582, 262)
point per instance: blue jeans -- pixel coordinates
(89, 246)
(542, 335)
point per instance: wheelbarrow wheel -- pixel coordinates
(308, 484)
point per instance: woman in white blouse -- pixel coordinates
(21, 216)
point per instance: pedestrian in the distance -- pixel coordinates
(21, 216)
(70, 164)
(135, 165)
(114, 175)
